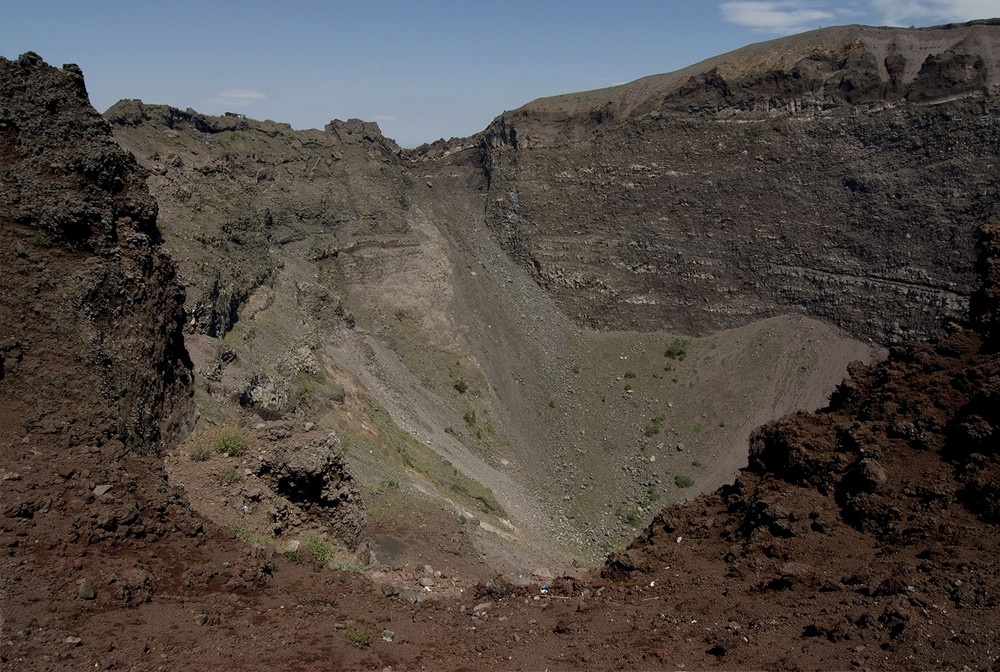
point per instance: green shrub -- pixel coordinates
(250, 536)
(199, 453)
(345, 565)
(358, 637)
(229, 476)
(677, 349)
(41, 239)
(460, 385)
(651, 429)
(319, 549)
(470, 418)
(230, 444)
(630, 374)
(653, 493)
(683, 481)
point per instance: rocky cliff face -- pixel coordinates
(843, 174)
(95, 382)
(234, 191)
(91, 349)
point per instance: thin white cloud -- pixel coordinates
(906, 12)
(780, 16)
(237, 98)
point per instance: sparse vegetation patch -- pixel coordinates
(200, 453)
(230, 444)
(319, 549)
(358, 637)
(682, 481)
(677, 349)
(229, 477)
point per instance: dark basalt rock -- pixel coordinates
(92, 344)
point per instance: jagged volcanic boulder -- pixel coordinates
(92, 348)
(312, 474)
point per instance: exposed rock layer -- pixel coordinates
(842, 173)
(234, 191)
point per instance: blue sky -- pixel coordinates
(422, 70)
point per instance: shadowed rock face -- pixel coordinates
(96, 382)
(313, 476)
(843, 174)
(92, 348)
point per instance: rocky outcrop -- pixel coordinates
(986, 301)
(810, 174)
(92, 347)
(847, 66)
(95, 381)
(312, 475)
(233, 191)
